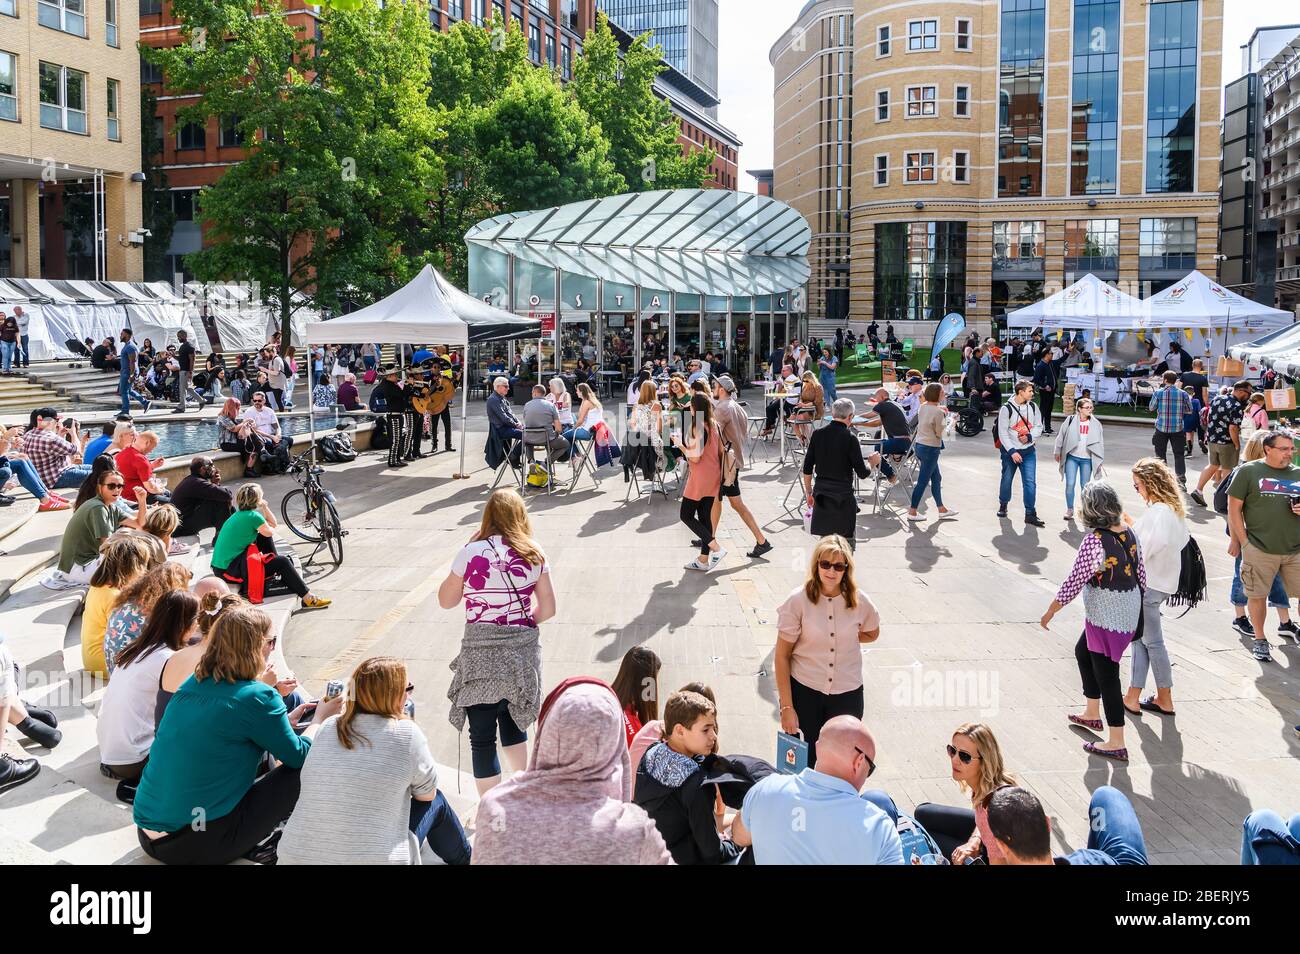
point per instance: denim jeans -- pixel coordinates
(1150, 649)
(1077, 469)
(25, 358)
(929, 474)
(128, 394)
(1113, 828)
(572, 434)
(436, 822)
(26, 474)
(7, 349)
(1277, 596)
(1028, 468)
(892, 445)
(73, 477)
(1280, 847)
(483, 723)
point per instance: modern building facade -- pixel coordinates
(640, 276)
(1003, 148)
(686, 29)
(763, 180)
(69, 140)
(812, 168)
(1279, 181)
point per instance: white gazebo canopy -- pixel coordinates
(1087, 304)
(1197, 301)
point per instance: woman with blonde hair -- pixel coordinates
(251, 524)
(369, 786)
(559, 396)
(820, 628)
(209, 766)
(505, 582)
(133, 605)
(590, 414)
(977, 767)
(125, 558)
(645, 431)
(1162, 533)
(811, 406)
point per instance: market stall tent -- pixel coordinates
(428, 310)
(1087, 304)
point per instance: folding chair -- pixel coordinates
(535, 439)
(508, 463)
(658, 484)
(583, 460)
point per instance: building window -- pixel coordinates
(9, 7)
(1171, 97)
(150, 6)
(455, 9)
(111, 100)
(919, 166)
(534, 43)
(231, 137)
(8, 86)
(63, 98)
(183, 204)
(921, 101)
(1020, 98)
(68, 16)
(882, 105)
(961, 166)
(478, 12)
(1018, 245)
(550, 50)
(882, 41)
(882, 169)
(566, 62)
(922, 35)
(191, 136)
(920, 270)
(1094, 107)
(149, 72)
(963, 41)
(1167, 243)
(1092, 245)
(961, 101)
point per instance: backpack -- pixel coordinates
(1221, 493)
(337, 449)
(272, 462)
(380, 436)
(1191, 578)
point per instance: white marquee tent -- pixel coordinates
(429, 310)
(1088, 304)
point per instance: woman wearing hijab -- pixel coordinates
(572, 805)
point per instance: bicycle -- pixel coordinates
(310, 511)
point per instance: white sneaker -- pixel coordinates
(915, 517)
(716, 557)
(948, 514)
(696, 565)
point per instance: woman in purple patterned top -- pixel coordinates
(1109, 572)
(505, 582)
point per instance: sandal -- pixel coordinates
(1119, 755)
(1149, 705)
(1093, 724)
(1133, 712)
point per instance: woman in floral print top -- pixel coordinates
(135, 603)
(1109, 571)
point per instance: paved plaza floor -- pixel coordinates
(960, 639)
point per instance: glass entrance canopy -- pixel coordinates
(631, 278)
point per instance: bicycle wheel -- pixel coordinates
(332, 530)
(300, 516)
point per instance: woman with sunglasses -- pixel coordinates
(818, 658)
(370, 786)
(1079, 450)
(963, 833)
(205, 769)
(94, 520)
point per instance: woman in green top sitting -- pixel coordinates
(252, 523)
(200, 800)
(102, 512)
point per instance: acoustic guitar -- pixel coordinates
(434, 397)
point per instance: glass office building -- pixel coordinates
(626, 279)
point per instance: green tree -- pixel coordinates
(541, 149)
(617, 92)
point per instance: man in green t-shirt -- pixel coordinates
(1264, 522)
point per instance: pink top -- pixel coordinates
(986, 834)
(827, 655)
(705, 477)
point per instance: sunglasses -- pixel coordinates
(117, 486)
(828, 565)
(871, 766)
(966, 757)
(410, 687)
(271, 641)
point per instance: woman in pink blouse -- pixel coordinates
(819, 630)
(977, 767)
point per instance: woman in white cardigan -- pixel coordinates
(1079, 450)
(1162, 533)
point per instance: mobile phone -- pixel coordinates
(1295, 500)
(333, 689)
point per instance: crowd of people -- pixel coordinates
(610, 776)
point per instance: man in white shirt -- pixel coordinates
(1019, 424)
(265, 423)
(273, 365)
(837, 826)
(24, 321)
